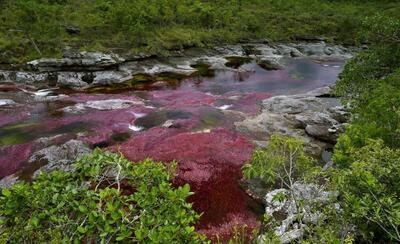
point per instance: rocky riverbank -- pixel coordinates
(85, 69)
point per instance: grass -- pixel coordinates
(37, 28)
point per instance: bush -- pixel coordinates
(367, 155)
(283, 161)
(107, 199)
(370, 190)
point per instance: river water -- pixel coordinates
(190, 120)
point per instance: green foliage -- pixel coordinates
(107, 199)
(371, 84)
(367, 155)
(370, 189)
(283, 160)
(36, 28)
(363, 73)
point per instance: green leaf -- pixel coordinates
(6, 192)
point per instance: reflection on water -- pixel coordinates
(299, 75)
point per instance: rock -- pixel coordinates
(77, 61)
(269, 64)
(288, 51)
(289, 228)
(109, 104)
(73, 30)
(168, 124)
(22, 77)
(272, 205)
(311, 117)
(110, 77)
(340, 113)
(289, 236)
(251, 50)
(323, 132)
(8, 181)
(60, 157)
(71, 79)
(5, 102)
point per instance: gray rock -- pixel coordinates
(323, 132)
(60, 157)
(289, 229)
(71, 79)
(8, 181)
(310, 117)
(110, 77)
(340, 113)
(77, 61)
(5, 102)
(169, 124)
(269, 64)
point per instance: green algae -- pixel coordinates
(24, 132)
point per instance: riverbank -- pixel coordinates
(37, 29)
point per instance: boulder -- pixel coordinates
(269, 64)
(60, 157)
(314, 117)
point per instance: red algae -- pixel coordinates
(211, 164)
(17, 154)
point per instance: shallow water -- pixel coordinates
(190, 120)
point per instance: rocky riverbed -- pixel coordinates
(207, 109)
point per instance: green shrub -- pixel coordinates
(370, 190)
(107, 199)
(283, 161)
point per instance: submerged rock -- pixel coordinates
(109, 104)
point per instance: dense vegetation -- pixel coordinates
(368, 155)
(108, 199)
(40, 28)
(366, 175)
